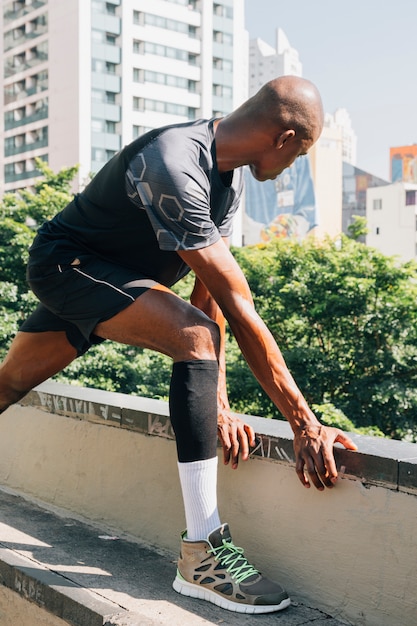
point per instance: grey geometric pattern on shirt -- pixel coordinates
(168, 209)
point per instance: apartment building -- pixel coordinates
(391, 216)
(81, 78)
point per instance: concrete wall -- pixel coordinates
(15, 610)
(351, 552)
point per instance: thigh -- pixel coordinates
(85, 292)
(162, 321)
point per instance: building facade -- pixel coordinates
(355, 184)
(82, 78)
(391, 215)
(341, 120)
(266, 62)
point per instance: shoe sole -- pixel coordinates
(202, 593)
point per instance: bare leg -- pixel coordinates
(158, 320)
(32, 358)
(162, 321)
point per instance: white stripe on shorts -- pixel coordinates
(103, 282)
(141, 282)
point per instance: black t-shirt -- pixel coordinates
(161, 193)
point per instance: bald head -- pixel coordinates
(270, 130)
(289, 102)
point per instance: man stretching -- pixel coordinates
(102, 269)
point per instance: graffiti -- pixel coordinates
(151, 424)
(268, 448)
(78, 407)
(160, 426)
(28, 588)
(106, 413)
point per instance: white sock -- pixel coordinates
(199, 491)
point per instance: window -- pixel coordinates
(111, 39)
(148, 47)
(377, 204)
(171, 108)
(140, 130)
(103, 126)
(410, 197)
(149, 76)
(138, 18)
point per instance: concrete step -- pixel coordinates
(57, 569)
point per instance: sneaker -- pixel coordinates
(216, 570)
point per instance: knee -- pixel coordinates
(201, 340)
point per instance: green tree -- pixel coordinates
(20, 213)
(343, 314)
(345, 318)
(358, 228)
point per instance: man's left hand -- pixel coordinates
(235, 436)
(314, 455)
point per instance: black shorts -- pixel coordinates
(76, 297)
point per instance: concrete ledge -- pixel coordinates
(85, 576)
(350, 552)
(383, 462)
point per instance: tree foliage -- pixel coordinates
(20, 214)
(343, 314)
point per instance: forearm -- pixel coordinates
(225, 281)
(268, 366)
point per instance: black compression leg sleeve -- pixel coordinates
(193, 409)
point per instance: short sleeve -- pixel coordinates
(171, 182)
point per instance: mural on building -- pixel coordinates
(404, 164)
(284, 207)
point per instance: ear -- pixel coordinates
(282, 138)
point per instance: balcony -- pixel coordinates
(10, 69)
(10, 43)
(349, 553)
(11, 15)
(40, 114)
(26, 147)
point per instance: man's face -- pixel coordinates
(273, 160)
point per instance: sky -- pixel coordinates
(362, 55)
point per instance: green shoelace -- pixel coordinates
(232, 558)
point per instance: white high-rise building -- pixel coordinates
(341, 120)
(81, 78)
(267, 62)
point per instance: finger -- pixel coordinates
(235, 449)
(244, 443)
(325, 468)
(226, 443)
(330, 466)
(346, 441)
(312, 473)
(299, 468)
(251, 435)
